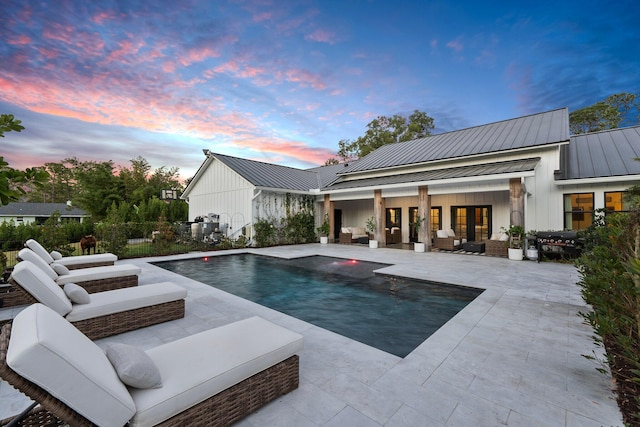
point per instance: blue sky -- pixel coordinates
(284, 81)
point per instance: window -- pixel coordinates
(614, 201)
(578, 211)
(434, 222)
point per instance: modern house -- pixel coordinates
(525, 171)
(26, 213)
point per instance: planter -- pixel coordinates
(419, 247)
(373, 244)
(516, 254)
(532, 254)
(324, 240)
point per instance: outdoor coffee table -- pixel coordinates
(473, 246)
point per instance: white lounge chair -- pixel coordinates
(212, 378)
(106, 313)
(71, 262)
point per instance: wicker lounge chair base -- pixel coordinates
(222, 409)
(15, 294)
(125, 321)
(89, 265)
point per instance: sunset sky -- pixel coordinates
(283, 81)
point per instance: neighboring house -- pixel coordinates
(526, 171)
(26, 213)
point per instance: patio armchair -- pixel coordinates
(393, 236)
(497, 245)
(212, 378)
(101, 314)
(352, 234)
(71, 262)
(447, 240)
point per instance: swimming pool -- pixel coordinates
(345, 296)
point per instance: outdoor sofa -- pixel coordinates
(352, 234)
(101, 314)
(71, 262)
(212, 378)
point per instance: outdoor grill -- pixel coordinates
(561, 243)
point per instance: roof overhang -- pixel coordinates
(598, 180)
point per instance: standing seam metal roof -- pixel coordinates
(269, 175)
(550, 127)
(512, 166)
(603, 154)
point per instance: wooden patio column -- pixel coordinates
(378, 213)
(424, 211)
(328, 210)
(516, 201)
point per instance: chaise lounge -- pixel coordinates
(212, 378)
(71, 262)
(101, 314)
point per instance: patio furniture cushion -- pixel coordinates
(121, 300)
(234, 352)
(451, 233)
(80, 275)
(76, 294)
(133, 366)
(69, 261)
(60, 269)
(47, 350)
(442, 234)
(42, 287)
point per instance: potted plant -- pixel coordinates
(418, 246)
(324, 229)
(516, 234)
(370, 223)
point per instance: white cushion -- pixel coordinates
(119, 300)
(345, 230)
(59, 268)
(133, 366)
(57, 256)
(209, 362)
(395, 230)
(86, 259)
(441, 234)
(494, 236)
(451, 233)
(28, 255)
(39, 250)
(456, 242)
(504, 237)
(77, 294)
(50, 352)
(96, 273)
(42, 287)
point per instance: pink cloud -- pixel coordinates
(20, 40)
(321, 36)
(455, 45)
(264, 16)
(284, 148)
(305, 78)
(198, 55)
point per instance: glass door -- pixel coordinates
(472, 222)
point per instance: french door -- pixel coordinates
(472, 222)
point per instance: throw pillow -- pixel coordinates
(56, 255)
(77, 294)
(451, 233)
(60, 269)
(504, 237)
(441, 234)
(133, 366)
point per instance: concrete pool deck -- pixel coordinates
(512, 357)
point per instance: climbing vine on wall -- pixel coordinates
(285, 220)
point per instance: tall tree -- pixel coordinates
(12, 181)
(620, 109)
(98, 187)
(386, 130)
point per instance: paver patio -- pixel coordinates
(511, 357)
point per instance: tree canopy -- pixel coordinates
(617, 110)
(12, 181)
(385, 130)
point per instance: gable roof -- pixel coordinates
(551, 127)
(602, 154)
(40, 210)
(269, 175)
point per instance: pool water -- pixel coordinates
(345, 296)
